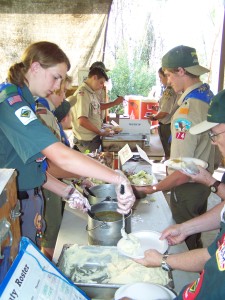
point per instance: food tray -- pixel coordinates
(118, 141)
(98, 262)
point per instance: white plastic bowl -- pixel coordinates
(148, 239)
(176, 163)
(144, 291)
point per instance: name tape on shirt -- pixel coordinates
(25, 114)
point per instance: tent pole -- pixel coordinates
(222, 58)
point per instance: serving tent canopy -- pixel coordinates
(78, 27)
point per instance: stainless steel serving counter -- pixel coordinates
(152, 212)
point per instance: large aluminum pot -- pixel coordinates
(99, 193)
(104, 227)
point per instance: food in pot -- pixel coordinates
(141, 178)
(108, 216)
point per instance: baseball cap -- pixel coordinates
(62, 110)
(99, 64)
(215, 116)
(184, 57)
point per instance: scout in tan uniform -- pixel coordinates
(167, 107)
(86, 112)
(188, 199)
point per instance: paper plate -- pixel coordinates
(144, 291)
(176, 163)
(148, 240)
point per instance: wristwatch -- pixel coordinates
(214, 186)
(165, 266)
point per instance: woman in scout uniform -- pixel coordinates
(26, 142)
(188, 199)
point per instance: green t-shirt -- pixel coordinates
(210, 284)
(22, 138)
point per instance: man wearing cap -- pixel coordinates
(188, 199)
(86, 112)
(209, 261)
(101, 94)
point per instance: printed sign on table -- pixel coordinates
(33, 276)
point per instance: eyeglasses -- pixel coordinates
(212, 135)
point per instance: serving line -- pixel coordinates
(151, 213)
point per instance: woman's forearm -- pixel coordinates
(208, 221)
(77, 163)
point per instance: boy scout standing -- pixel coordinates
(188, 199)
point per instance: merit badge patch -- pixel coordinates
(25, 115)
(181, 126)
(220, 254)
(14, 99)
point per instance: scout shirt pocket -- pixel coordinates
(95, 107)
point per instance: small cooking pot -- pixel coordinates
(105, 223)
(99, 193)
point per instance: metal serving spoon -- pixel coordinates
(123, 232)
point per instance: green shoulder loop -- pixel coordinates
(7, 90)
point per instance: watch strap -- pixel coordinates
(165, 266)
(214, 186)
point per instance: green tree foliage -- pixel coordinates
(130, 77)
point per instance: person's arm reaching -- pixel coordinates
(78, 163)
(192, 261)
(75, 199)
(119, 100)
(210, 220)
(175, 179)
(84, 122)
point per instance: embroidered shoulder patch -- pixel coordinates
(182, 126)
(14, 99)
(220, 254)
(41, 111)
(25, 115)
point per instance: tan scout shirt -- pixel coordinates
(48, 118)
(191, 112)
(168, 104)
(86, 105)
